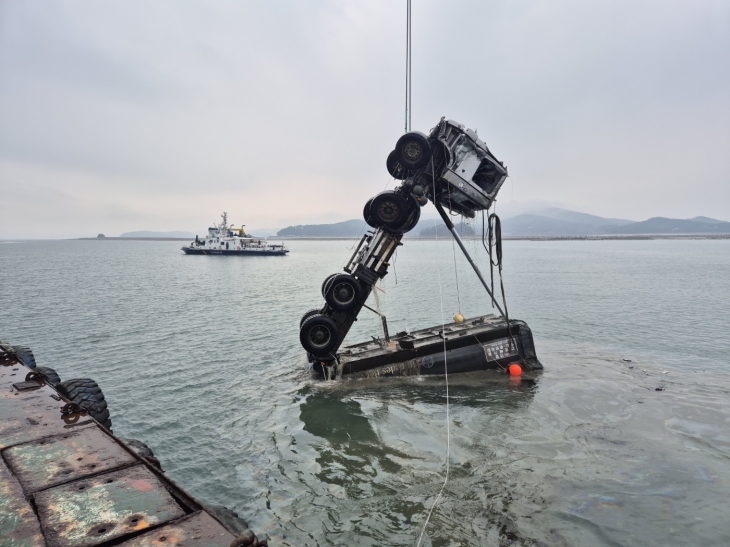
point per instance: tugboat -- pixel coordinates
(227, 240)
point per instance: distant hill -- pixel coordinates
(144, 233)
(538, 225)
(546, 222)
(661, 225)
(439, 230)
(349, 228)
(581, 218)
(708, 220)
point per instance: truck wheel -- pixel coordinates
(413, 217)
(343, 292)
(308, 314)
(413, 150)
(394, 167)
(366, 214)
(87, 394)
(51, 374)
(388, 209)
(325, 282)
(25, 356)
(318, 335)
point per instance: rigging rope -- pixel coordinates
(494, 241)
(456, 273)
(408, 66)
(446, 376)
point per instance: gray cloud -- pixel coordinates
(118, 116)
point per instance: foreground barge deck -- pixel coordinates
(66, 481)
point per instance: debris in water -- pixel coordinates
(627, 360)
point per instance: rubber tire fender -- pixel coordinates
(53, 378)
(25, 355)
(388, 202)
(413, 150)
(340, 283)
(228, 518)
(88, 395)
(142, 450)
(321, 323)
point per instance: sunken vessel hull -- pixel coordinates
(481, 343)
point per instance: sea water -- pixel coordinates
(199, 357)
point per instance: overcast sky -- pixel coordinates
(158, 115)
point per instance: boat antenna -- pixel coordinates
(408, 66)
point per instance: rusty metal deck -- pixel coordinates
(65, 481)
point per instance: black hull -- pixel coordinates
(481, 344)
(215, 252)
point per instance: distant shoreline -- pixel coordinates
(133, 239)
(632, 237)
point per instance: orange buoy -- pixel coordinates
(515, 369)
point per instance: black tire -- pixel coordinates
(228, 518)
(325, 282)
(388, 209)
(413, 217)
(25, 356)
(368, 218)
(394, 167)
(343, 292)
(413, 150)
(88, 395)
(143, 451)
(53, 378)
(318, 335)
(140, 448)
(307, 315)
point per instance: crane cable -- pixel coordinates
(446, 378)
(408, 67)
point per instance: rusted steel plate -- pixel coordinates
(197, 530)
(92, 511)
(55, 460)
(18, 524)
(30, 415)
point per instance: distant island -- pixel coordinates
(349, 228)
(560, 222)
(543, 223)
(550, 222)
(148, 234)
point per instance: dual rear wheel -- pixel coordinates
(392, 210)
(318, 333)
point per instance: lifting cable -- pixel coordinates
(492, 242)
(446, 376)
(408, 66)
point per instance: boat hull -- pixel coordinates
(482, 343)
(232, 252)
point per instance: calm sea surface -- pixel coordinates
(199, 357)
